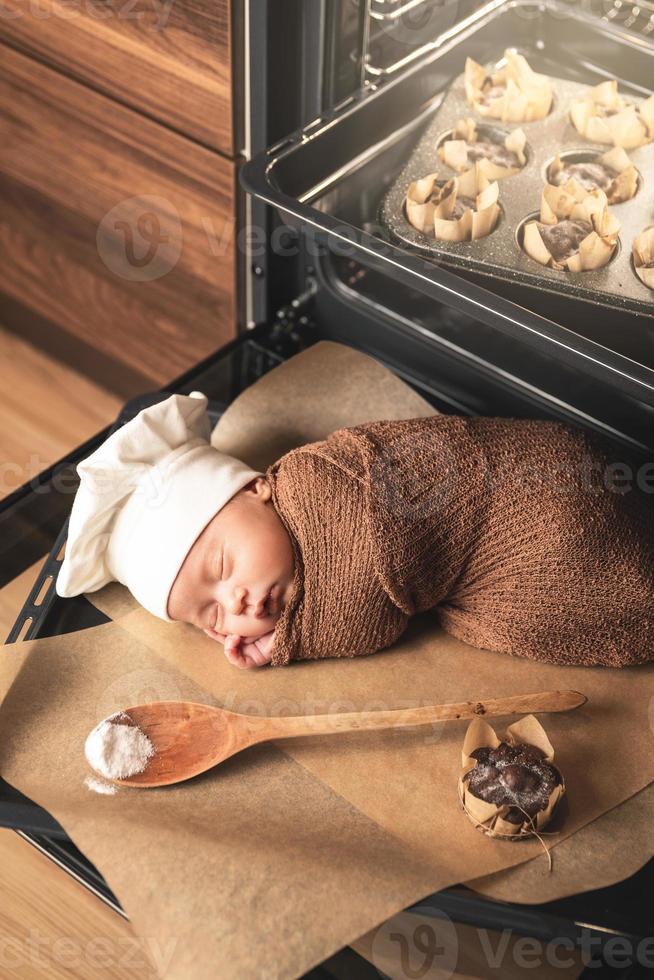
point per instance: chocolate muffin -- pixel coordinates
(513, 775)
(490, 91)
(512, 93)
(563, 239)
(463, 208)
(486, 149)
(602, 115)
(642, 255)
(461, 205)
(589, 175)
(605, 111)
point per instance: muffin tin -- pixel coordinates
(500, 254)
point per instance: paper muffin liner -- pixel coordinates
(454, 151)
(642, 250)
(489, 817)
(430, 205)
(560, 203)
(603, 116)
(623, 186)
(522, 95)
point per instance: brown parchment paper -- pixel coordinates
(272, 862)
(599, 748)
(623, 838)
(257, 870)
(316, 392)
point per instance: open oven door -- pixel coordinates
(454, 383)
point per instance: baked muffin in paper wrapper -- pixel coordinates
(642, 250)
(430, 206)
(489, 817)
(576, 204)
(514, 93)
(603, 116)
(623, 186)
(454, 151)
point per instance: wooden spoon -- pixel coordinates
(190, 738)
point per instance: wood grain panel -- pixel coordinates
(52, 928)
(170, 59)
(111, 226)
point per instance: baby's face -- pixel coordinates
(239, 573)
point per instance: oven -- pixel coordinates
(335, 96)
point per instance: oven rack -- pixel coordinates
(391, 45)
(638, 17)
(392, 23)
(391, 10)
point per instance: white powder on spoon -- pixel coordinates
(117, 748)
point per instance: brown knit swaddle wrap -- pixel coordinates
(518, 533)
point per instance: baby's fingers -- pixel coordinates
(220, 637)
(235, 654)
(252, 651)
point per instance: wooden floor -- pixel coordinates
(46, 409)
(53, 928)
(50, 926)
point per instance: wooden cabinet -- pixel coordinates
(169, 59)
(118, 185)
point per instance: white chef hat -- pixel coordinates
(144, 497)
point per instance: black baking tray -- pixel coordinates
(605, 913)
(329, 180)
(499, 254)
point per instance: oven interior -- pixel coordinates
(326, 180)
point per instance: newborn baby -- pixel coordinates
(520, 535)
(523, 537)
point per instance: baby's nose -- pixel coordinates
(237, 601)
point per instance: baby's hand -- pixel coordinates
(244, 651)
